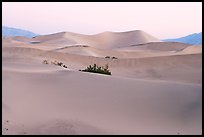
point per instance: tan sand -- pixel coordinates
(105, 40)
(56, 102)
(154, 88)
(185, 67)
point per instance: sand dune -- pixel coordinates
(140, 51)
(58, 38)
(22, 39)
(105, 40)
(63, 42)
(159, 46)
(95, 52)
(135, 51)
(131, 107)
(155, 87)
(111, 40)
(192, 49)
(186, 67)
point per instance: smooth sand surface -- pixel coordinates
(102, 104)
(155, 88)
(184, 67)
(68, 102)
(105, 40)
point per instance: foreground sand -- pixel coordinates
(151, 91)
(69, 102)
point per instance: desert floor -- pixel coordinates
(155, 87)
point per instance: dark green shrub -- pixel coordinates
(114, 58)
(64, 66)
(59, 63)
(45, 61)
(97, 69)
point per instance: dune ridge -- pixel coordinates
(105, 40)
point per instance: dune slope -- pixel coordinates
(105, 40)
(155, 87)
(97, 106)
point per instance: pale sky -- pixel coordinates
(160, 19)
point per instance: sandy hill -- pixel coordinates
(184, 67)
(22, 39)
(56, 39)
(192, 49)
(124, 39)
(105, 40)
(155, 87)
(159, 46)
(43, 100)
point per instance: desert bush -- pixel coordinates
(64, 66)
(59, 63)
(55, 63)
(45, 61)
(114, 58)
(108, 57)
(97, 69)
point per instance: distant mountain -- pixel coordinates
(193, 39)
(9, 32)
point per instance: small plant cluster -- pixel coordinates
(108, 57)
(55, 63)
(97, 69)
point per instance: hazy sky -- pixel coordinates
(162, 20)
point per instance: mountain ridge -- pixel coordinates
(193, 39)
(12, 32)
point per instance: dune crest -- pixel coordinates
(104, 40)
